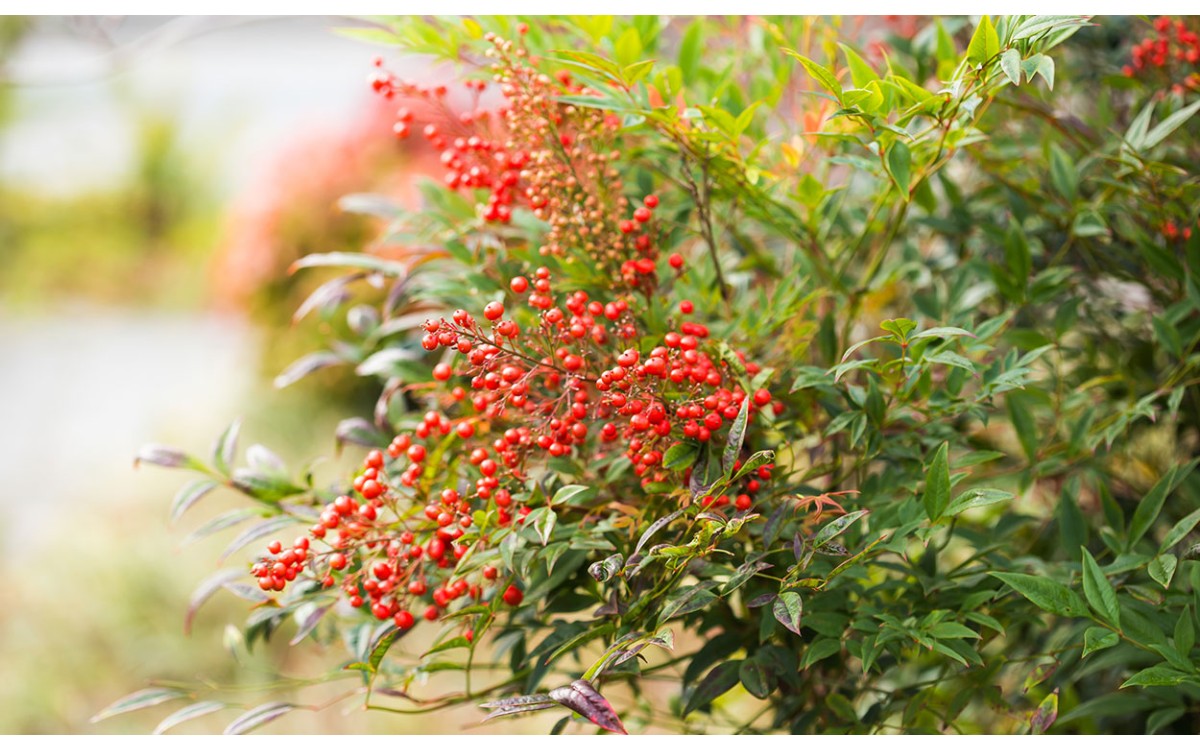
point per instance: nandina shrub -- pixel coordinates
(847, 386)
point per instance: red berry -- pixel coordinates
(493, 311)
(404, 619)
(337, 561)
(642, 215)
(512, 596)
(519, 284)
(762, 397)
(686, 307)
(442, 371)
(675, 260)
(651, 201)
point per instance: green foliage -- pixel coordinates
(977, 520)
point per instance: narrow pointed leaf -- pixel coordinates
(194, 711)
(1047, 594)
(788, 609)
(584, 700)
(256, 717)
(138, 700)
(1099, 592)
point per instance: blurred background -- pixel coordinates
(157, 176)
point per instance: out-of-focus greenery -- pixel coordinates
(139, 241)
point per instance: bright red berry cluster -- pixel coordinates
(544, 374)
(1171, 52)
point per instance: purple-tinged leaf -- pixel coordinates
(358, 431)
(308, 616)
(256, 717)
(164, 455)
(327, 296)
(263, 459)
(1046, 713)
(140, 699)
(246, 591)
(1040, 674)
(225, 447)
(604, 570)
(204, 592)
(257, 531)
(688, 600)
(305, 366)
(189, 496)
(762, 600)
(716, 683)
(655, 528)
(228, 519)
(583, 699)
(517, 700)
(788, 609)
(187, 713)
(351, 260)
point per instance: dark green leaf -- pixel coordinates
(1098, 639)
(1099, 592)
(1047, 594)
(716, 683)
(936, 497)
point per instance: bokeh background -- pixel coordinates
(157, 176)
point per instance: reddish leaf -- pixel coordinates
(583, 699)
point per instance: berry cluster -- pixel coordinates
(546, 374)
(1172, 52)
(543, 154)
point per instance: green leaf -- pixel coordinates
(977, 498)
(756, 678)
(226, 446)
(1010, 63)
(1180, 530)
(820, 73)
(1063, 175)
(1047, 594)
(1185, 633)
(139, 700)
(1169, 125)
(1039, 65)
(1149, 508)
(1021, 416)
(1162, 569)
(899, 162)
(716, 683)
(680, 456)
(737, 434)
(952, 630)
(688, 600)
(788, 609)
(1155, 676)
(952, 359)
(860, 72)
(937, 484)
(1098, 639)
(820, 649)
(573, 493)
(985, 44)
(1099, 592)
(942, 332)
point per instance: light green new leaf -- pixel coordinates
(819, 72)
(985, 44)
